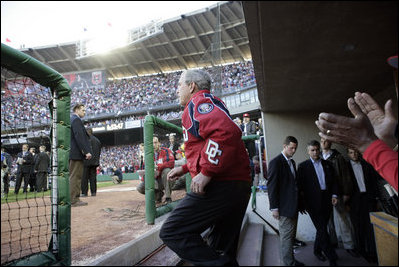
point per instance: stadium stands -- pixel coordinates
(137, 94)
(29, 106)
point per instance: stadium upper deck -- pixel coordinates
(184, 42)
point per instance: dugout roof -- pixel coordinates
(314, 55)
(184, 43)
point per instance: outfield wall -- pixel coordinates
(126, 176)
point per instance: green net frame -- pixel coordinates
(59, 249)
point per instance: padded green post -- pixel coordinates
(149, 170)
(149, 124)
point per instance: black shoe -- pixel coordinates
(370, 258)
(353, 253)
(83, 195)
(333, 263)
(298, 263)
(93, 194)
(320, 256)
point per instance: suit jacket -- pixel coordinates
(25, 167)
(370, 181)
(344, 181)
(251, 127)
(174, 148)
(80, 140)
(96, 147)
(42, 162)
(282, 187)
(309, 185)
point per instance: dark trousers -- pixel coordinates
(89, 175)
(41, 181)
(26, 177)
(222, 209)
(320, 221)
(6, 181)
(32, 182)
(250, 146)
(364, 233)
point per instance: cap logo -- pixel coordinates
(205, 108)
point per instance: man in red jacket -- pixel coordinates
(164, 161)
(220, 187)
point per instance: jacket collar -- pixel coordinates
(196, 94)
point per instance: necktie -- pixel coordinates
(291, 167)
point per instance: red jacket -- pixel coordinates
(164, 159)
(212, 140)
(384, 160)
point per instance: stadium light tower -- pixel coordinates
(111, 38)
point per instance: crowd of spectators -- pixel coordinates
(29, 105)
(164, 115)
(24, 102)
(125, 157)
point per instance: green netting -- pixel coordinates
(25, 65)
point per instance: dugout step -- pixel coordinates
(271, 250)
(251, 248)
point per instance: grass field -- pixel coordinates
(11, 197)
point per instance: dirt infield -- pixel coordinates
(112, 218)
(115, 216)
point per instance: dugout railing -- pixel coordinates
(59, 247)
(151, 212)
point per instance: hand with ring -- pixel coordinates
(354, 132)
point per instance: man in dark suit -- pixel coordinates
(24, 161)
(317, 185)
(283, 198)
(90, 166)
(32, 179)
(80, 150)
(363, 200)
(173, 145)
(7, 172)
(42, 163)
(248, 127)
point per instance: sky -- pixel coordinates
(42, 23)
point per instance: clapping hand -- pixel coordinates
(354, 132)
(383, 121)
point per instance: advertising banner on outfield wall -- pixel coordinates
(119, 126)
(85, 80)
(133, 124)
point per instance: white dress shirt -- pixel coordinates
(320, 173)
(358, 171)
(327, 155)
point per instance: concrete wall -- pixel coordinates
(298, 124)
